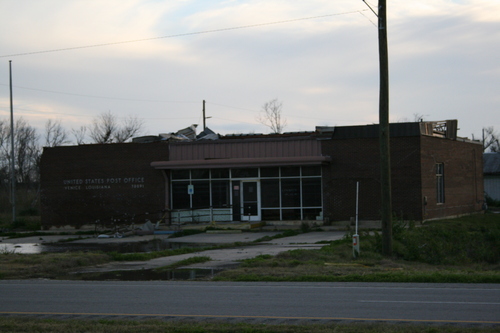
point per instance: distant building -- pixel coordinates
(491, 162)
(276, 178)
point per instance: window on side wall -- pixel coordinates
(439, 183)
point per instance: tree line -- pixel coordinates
(29, 143)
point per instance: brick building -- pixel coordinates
(307, 176)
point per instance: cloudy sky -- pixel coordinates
(159, 59)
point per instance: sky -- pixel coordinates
(157, 60)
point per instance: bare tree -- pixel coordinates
(80, 134)
(491, 140)
(103, 127)
(55, 134)
(418, 117)
(106, 129)
(27, 152)
(4, 152)
(271, 116)
(130, 128)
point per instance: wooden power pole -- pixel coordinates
(385, 152)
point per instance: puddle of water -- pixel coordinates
(34, 248)
(150, 274)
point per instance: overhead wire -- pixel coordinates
(99, 97)
(180, 35)
(163, 37)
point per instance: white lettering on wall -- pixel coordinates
(102, 183)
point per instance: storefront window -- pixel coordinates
(220, 173)
(180, 174)
(180, 196)
(309, 171)
(311, 192)
(284, 193)
(201, 195)
(290, 193)
(291, 214)
(220, 193)
(245, 173)
(290, 171)
(271, 215)
(270, 172)
(199, 174)
(270, 192)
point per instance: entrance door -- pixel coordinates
(250, 201)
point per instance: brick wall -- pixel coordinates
(82, 184)
(463, 177)
(357, 160)
(413, 160)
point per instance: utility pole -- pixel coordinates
(204, 119)
(385, 152)
(12, 160)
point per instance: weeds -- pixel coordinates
(46, 265)
(286, 233)
(185, 262)
(24, 324)
(463, 250)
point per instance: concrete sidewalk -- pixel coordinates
(228, 257)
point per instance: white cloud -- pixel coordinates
(443, 61)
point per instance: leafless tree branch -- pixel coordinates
(272, 116)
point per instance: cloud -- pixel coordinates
(443, 61)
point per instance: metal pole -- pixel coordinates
(12, 159)
(385, 159)
(355, 237)
(357, 205)
(204, 118)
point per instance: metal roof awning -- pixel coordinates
(241, 162)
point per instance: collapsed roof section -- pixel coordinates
(446, 129)
(184, 135)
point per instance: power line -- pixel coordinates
(100, 97)
(181, 35)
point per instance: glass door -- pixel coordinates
(250, 201)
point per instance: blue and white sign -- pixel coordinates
(190, 189)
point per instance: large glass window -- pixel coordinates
(270, 172)
(180, 174)
(308, 171)
(286, 193)
(290, 193)
(201, 195)
(270, 193)
(292, 171)
(220, 173)
(245, 173)
(180, 196)
(199, 174)
(220, 194)
(311, 192)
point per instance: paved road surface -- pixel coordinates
(256, 302)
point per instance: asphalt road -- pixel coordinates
(255, 302)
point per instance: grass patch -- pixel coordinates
(116, 256)
(286, 233)
(46, 265)
(26, 324)
(185, 262)
(462, 250)
(186, 232)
